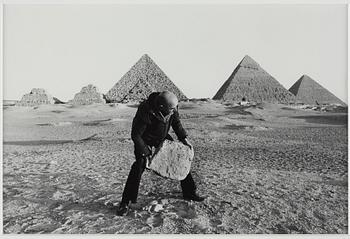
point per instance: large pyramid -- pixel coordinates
(308, 91)
(252, 83)
(142, 79)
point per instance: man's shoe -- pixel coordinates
(194, 197)
(122, 209)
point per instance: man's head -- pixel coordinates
(167, 102)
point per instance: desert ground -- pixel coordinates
(267, 168)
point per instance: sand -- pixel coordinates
(263, 169)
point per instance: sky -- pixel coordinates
(63, 48)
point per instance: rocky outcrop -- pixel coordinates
(172, 160)
(142, 79)
(88, 95)
(36, 97)
(308, 91)
(249, 82)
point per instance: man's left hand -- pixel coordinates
(185, 142)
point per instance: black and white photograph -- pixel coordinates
(174, 118)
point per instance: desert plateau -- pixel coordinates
(265, 168)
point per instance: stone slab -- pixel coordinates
(172, 160)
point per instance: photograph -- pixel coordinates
(174, 118)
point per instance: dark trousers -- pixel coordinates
(131, 188)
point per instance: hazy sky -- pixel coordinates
(64, 47)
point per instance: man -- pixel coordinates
(150, 128)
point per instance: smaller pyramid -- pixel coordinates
(88, 95)
(250, 82)
(37, 96)
(308, 91)
(141, 80)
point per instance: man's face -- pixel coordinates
(167, 109)
(167, 103)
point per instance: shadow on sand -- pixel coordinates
(37, 142)
(325, 119)
(46, 142)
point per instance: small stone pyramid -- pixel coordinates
(37, 96)
(250, 82)
(308, 91)
(142, 79)
(88, 95)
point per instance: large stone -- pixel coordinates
(142, 79)
(36, 97)
(88, 95)
(172, 160)
(250, 82)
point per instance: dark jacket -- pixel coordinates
(148, 130)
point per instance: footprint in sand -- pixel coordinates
(155, 220)
(185, 210)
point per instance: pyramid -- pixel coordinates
(308, 91)
(252, 83)
(88, 95)
(142, 79)
(37, 96)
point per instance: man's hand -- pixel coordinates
(148, 160)
(185, 142)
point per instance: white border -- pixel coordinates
(101, 2)
(175, 1)
(348, 113)
(1, 105)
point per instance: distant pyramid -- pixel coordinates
(142, 79)
(252, 83)
(37, 96)
(308, 91)
(88, 95)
